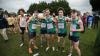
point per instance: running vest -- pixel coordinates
(32, 25)
(23, 22)
(75, 25)
(50, 24)
(43, 24)
(62, 28)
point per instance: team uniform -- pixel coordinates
(32, 32)
(50, 26)
(62, 28)
(74, 35)
(32, 27)
(43, 29)
(51, 30)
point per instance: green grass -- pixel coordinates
(11, 48)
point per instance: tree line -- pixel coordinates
(53, 6)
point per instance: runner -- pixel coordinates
(22, 24)
(43, 28)
(50, 29)
(31, 29)
(75, 29)
(62, 28)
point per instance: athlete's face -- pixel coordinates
(36, 14)
(47, 12)
(21, 13)
(73, 15)
(60, 13)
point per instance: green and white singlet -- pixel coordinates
(43, 28)
(43, 24)
(50, 25)
(62, 25)
(32, 25)
(75, 25)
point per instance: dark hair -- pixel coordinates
(9, 15)
(74, 11)
(78, 13)
(28, 15)
(21, 10)
(31, 13)
(60, 8)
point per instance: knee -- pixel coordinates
(31, 40)
(76, 47)
(48, 38)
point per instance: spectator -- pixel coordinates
(89, 21)
(95, 21)
(3, 26)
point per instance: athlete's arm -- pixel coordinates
(56, 22)
(81, 26)
(27, 23)
(18, 21)
(68, 19)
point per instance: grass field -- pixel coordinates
(12, 48)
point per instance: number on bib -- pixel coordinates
(71, 34)
(50, 26)
(33, 26)
(43, 25)
(73, 26)
(61, 25)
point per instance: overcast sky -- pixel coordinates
(14, 5)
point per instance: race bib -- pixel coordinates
(43, 25)
(71, 34)
(61, 25)
(33, 26)
(50, 26)
(74, 26)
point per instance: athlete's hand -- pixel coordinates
(73, 30)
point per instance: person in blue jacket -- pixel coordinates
(3, 26)
(90, 21)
